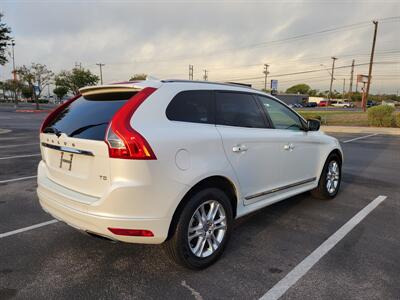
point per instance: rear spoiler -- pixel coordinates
(103, 89)
(120, 87)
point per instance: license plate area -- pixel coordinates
(66, 161)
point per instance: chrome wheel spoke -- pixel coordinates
(332, 177)
(207, 228)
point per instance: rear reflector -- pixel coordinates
(131, 232)
(122, 140)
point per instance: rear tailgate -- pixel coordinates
(72, 144)
(78, 164)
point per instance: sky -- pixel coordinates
(232, 40)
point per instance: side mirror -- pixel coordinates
(313, 125)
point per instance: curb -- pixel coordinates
(31, 111)
(359, 129)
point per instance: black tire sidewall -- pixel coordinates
(191, 260)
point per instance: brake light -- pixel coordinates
(54, 113)
(131, 232)
(122, 140)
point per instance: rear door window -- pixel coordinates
(192, 106)
(88, 116)
(238, 109)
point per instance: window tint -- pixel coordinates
(238, 109)
(281, 116)
(191, 106)
(88, 117)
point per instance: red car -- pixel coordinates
(323, 103)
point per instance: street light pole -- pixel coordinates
(330, 87)
(14, 74)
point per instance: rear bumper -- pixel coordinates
(64, 207)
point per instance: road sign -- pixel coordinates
(274, 86)
(36, 90)
(362, 78)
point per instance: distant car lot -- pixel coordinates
(55, 261)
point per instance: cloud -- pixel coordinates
(224, 37)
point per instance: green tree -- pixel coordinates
(26, 92)
(76, 79)
(60, 91)
(36, 75)
(4, 38)
(301, 88)
(140, 76)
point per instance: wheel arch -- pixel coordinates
(217, 181)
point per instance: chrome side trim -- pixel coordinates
(67, 149)
(280, 188)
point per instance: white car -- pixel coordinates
(343, 104)
(177, 161)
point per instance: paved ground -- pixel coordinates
(56, 261)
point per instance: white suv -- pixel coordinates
(177, 161)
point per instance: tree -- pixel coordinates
(60, 91)
(26, 91)
(36, 75)
(140, 76)
(301, 88)
(4, 38)
(76, 79)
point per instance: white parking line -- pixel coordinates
(19, 145)
(359, 138)
(19, 156)
(3, 235)
(17, 179)
(302, 268)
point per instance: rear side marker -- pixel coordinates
(131, 232)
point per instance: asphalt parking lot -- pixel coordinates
(56, 261)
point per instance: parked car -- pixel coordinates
(176, 162)
(310, 104)
(371, 103)
(343, 104)
(323, 103)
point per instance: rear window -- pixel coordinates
(88, 116)
(192, 106)
(238, 109)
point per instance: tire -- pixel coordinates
(182, 250)
(322, 191)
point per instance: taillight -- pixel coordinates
(54, 113)
(131, 232)
(122, 140)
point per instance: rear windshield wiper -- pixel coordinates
(51, 129)
(84, 128)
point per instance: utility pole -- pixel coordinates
(330, 88)
(190, 72)
(78, 65)
(205, 77)
(101, 72)
(266, 75)
(351, 80)
(344, 86)
(371, 61)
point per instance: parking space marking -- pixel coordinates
(3, 235)
(19, 145)
(17, 179)
(359, 138)
(19, 156)
(304, 266)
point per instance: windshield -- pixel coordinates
(88, 116)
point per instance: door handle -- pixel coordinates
(288, 147)
(239, 148)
